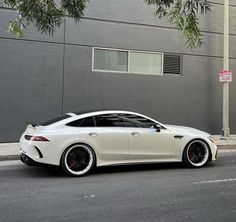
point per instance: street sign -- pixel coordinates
(225, 76)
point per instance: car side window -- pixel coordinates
(85, 122)
(131, 120)
(109, 120)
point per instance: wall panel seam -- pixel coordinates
(90, 46)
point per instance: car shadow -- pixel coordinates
(48, 171)
(136, 168)
(44, 171)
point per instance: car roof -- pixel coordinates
(94, 113)
(84, 114)
(98, 112)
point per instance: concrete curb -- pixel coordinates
(9, 157)
(9, 151)
(227, 147)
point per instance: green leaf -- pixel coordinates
(16, 29)
(184, 15)
(45, 15)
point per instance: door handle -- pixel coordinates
(135, 134)
(93, 134)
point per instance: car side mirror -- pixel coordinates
(157, 127)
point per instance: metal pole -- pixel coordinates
(225, 130)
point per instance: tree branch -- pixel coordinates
(183, 14)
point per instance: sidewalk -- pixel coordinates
(10, 151)
(225, 143)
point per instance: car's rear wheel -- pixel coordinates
(196, 153)
(78, 160)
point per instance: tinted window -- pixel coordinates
(136, 121)
(86, 122)
(109, 120)
(54, 120)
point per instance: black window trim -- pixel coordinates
(115, 114)
(119, 115)
(83, 118)
(136, 122)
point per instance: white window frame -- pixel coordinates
(147, 52)
(110, 49)
(129, 53)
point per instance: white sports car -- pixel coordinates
(80, 141)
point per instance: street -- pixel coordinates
(157, 192)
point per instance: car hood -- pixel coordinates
(187, 130)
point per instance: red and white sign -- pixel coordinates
(225, 76)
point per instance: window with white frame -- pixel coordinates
(145, 63)
(127, 61)
(110, 60)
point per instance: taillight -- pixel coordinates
(35, 138)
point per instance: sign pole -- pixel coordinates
(225, 130)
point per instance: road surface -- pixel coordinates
(159, 192)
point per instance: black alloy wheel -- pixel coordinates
(78, 160)
(196, 154)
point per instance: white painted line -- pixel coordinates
(215, 181)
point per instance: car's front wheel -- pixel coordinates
(196, 153)
(78, 160)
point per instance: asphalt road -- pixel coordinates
(160, 192)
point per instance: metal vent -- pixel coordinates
(172, 64)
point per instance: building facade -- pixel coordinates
(118, 57)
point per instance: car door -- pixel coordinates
(145, 143)
(105, 135)
(110, 139)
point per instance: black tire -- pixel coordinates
(78, 160)
(196, 154)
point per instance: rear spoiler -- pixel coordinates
(32, 125)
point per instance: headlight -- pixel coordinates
(211, 139)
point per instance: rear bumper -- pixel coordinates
(30, 162)
(38, 152)
(27, 160)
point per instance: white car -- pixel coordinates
(80, 141)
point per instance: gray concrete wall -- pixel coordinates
(44, 76)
